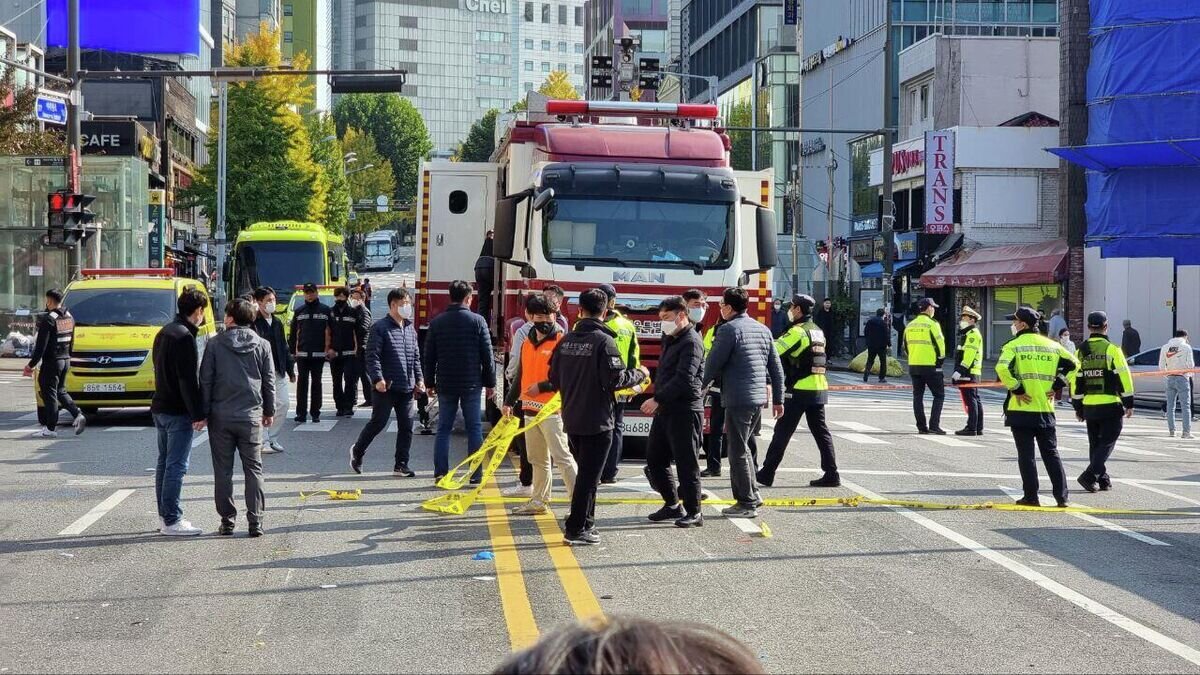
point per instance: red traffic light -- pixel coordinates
(57, 201)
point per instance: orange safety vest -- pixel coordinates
(535, 367)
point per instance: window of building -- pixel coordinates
(545, 12)
(491, 80)
(562, 15)
(360, 21)
(545, 45)
(578, 69)
(287, 36)
(562, 47)
(924, 102)
(287, 9)
(528, 86)
(578, 16)
(491, 36)
(493, 59)
(458, 202)
(562, 67)
(529, 12)
(529, 66)
(528, 44)
(408, 22)
(578, 47)
(1045, 11)
(487, 103)
(545, 66)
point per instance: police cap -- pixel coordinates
(1026, 315)
(1097, 320)
(804, 302)
(310, 287)
(925, 303)
(609, 291)
(967, 311)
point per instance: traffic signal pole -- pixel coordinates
(74, 133)
(888, 216)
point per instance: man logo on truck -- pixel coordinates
(640, 277)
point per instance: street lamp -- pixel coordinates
(361, 168)
(328, 138)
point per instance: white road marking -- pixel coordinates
(1016, 494)
(200, 439)
(1121, 447)
(97, 512)
(855, 426)
(392, 428)
(989, 476)
(324, 425)
(88, 482)
(861, 439)
(22, 430)
(1187, 500)
(125, 428)
(952, 441)
(1066, 593)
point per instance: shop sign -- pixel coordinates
(906, 246)
(157, 215)
(866, 224)
(904, 161)
(863, 250)
(816, 59)
(122, 138)
(812, 147)
(791, 12)
(939, 182)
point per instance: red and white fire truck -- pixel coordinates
(580, 193)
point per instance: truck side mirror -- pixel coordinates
(768, 253)
(504, 227)
(543, 198)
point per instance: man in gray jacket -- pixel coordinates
(743, 358)
(237, 391)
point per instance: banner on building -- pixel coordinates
(939, 182)
(158, 222)
(791, 12)
(157, 27)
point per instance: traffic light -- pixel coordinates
(67, 217)
(648, 82)
(601, 81)
(366, 84)
(648, 65)
(602, 65)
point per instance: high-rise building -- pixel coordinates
(551, 38)
(308, 29)
(606, 21)
(249, 14)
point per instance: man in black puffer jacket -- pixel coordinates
(678, 410)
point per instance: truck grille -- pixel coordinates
(128, 360)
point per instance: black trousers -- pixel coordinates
(974, 408)
(1047, 443)
(931, 377)
(882, 355)
(344, 370)
(1102, 438)
(360, 363)
(525, 474)
(614, 450)
(485, 283)
(714, 441)
(309, 372)
(676, 437)
(793, 409)
(52, 380)
(381, 412)
(590, 452)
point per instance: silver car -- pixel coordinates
(1151, 389)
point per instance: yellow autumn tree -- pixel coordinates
(558, 86)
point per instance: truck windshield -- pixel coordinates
(379, 248)
(121, 306)
(282, 265)
(646, 232)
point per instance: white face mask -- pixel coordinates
(1014, 329)
(269, 308)
(696, 314)
(669, 327)
(406, 312)
(355, 303)
(964, 324)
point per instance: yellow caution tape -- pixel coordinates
(335, 494)
(766, 531)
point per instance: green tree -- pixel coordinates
(397, 129)
(271, 174)
(367, 183)
(557, 86)
(327, 154)
(481, 139)
(741, 115)
(18, 133)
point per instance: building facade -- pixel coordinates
(551, 36)
(308, 29)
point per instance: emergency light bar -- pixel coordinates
(678, 110)
(129, 272)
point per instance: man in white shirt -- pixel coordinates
(1177, 355)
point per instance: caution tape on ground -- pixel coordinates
(334, 494)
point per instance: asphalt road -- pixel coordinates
(378, 584)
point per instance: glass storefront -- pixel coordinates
(27, 268)
(1045, 298)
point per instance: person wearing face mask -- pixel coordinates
(394, 366)
(779, 318)
(968, 368)
(1102, 394)
(802, 351)
(1032, 366)
(176, 407)
(311, 339)
(347, 337)
(545, 444)
(678, 410)
(357, 299)
(52, 349)
(926, 351)
(270, 329)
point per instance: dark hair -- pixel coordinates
(357, 289)
(1181, 333)
(396, 295)
(54, 294)
(341, 290)
(880, 312)
(459, 290)
(555, 289)
(673, 303)
(608, 646)
(537, 304)
(240, 310)
(1063, 330)
(736, 298)
(190, 300)
(593, 302)
(693, 294)
(262, 292)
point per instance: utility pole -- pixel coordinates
(831, 282)
(74, 133)
(889, 208)
(219, 230)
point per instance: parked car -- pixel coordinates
(1151, 389)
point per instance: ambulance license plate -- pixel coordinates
(104, 388)
(637, 426)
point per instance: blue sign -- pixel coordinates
(52, 110)
(144, 27)
(791, 12)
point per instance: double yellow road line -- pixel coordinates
(514, 595)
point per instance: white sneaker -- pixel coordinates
(44, 432)
(529, 508)
(1188, 436)
(518, 491)
(272, 448)
(162, 524)
(181, 528)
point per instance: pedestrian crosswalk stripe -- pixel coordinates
(861, 439)
(1121, 447)
(855, 426)
(952, 441)
(323, 425)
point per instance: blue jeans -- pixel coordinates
(1179, 388)
(448, 406)
(174, 452)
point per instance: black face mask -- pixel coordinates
(544, 327)
(339, 302)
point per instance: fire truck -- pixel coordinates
(580, 193)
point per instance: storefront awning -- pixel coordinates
(1026, 264)
(875, 269)
(1110, 156)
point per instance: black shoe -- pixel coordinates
(691, 520)
(826, 481)
(426, 431)
(256, 530)
(475, 480)
(667, 513)
(865, 379)
(226, 528)
(1063, 504)
(763, 480)
(300, 419)
(938, 432)
(316, 419)
(923, 432)
(882, 381)
(1105, 483)
(709, 473)
(1025, 501)
(1088, 483)
(585, 538)
(355, 461)
(365, 404)
(966, 432)
(403, 470)
(608, 481)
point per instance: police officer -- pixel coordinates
(347, 337)
(631, 352)
(311, 343)
(968, 369)
(52, 349)
(1032, 367)
(926, 351)
(802, 349)
(1102, 393)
